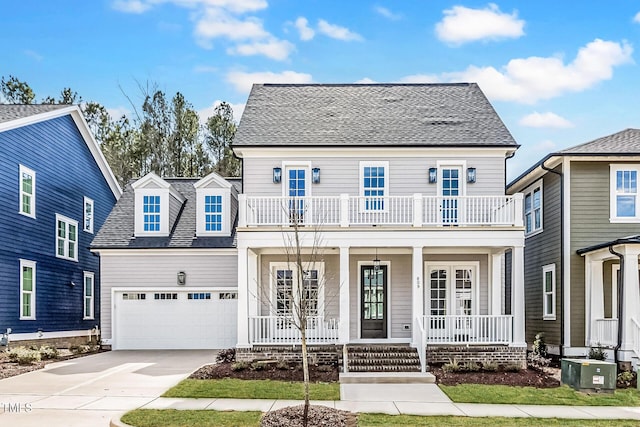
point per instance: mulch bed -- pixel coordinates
(11, 369)
(522, 378)
(317, 373)
(318, 416)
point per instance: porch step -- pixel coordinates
(382, 358)
(387, 378)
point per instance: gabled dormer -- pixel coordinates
(216, 204)
(157, 205)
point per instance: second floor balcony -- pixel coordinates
(416, 210)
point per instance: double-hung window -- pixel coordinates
(624, 193)
(549, 292)
(374, 185)
(213, 213)
(88, 295)
(290, 296)
(151, 212)
(27, 290)
(27, 192)
(66, 238)
(87, 224)
(533, 208)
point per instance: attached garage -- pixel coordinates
(197, 318)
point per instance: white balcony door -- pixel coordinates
(450, 188)
(296, 188)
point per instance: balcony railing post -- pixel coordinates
(242, 210)
(344, 210)
(518, 214)
(417, 210)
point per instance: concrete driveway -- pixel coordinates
(89, 391)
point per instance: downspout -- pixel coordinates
(562, 314)
(620, 296)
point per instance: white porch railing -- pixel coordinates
(635, 336)
(346, 211)
(604, 333)
(422, 343)
(475, 329)
(281, 330)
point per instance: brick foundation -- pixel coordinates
(323, 355)
(500, 354)
(61, 342)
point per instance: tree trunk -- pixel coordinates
(305, 370)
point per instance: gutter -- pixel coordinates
(562, 260)
(620, 297)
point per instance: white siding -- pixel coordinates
(159, 270)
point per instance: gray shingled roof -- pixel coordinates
(118, 230)
(9, 112)
(626, 141)
(370, 115)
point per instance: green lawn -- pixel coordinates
(176, 418)
(564, 395)
(253, 389)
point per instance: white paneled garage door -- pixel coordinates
(170, 319)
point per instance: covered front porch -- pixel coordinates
(374, 291)
(612, 296)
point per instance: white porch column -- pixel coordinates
(517, 295)
(630, 298)
(243, 299)
(495, 289)
(253, 294)
(594, 296)
(345, 320)
(417, 293)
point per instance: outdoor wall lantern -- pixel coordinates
(471, 175)
(376, 262)
(277, 175)
(433, 175)
(316, 175)
(182, 278)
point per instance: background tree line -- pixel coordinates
(164, 135)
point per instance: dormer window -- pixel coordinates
(213, 213)
(213, 205)
(151, 209)
(155, 198)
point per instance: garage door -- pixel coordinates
(202, 319)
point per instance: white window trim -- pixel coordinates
(88, 201)
(85, 276)
(24, 169)
(549, 268)
(448, 164)
(451, 266)
(201, 228)
(164, 211)
(373, 163)
(527, 191)
(32, 265)
(285, 177)
(613, 169)
(273, 266)
(389, 296)
(67, 221)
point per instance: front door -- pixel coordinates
(373, 313)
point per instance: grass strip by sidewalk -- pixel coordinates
(564, 395)
(208, 418)
(253, 389)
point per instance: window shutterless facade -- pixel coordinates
(88, 295)
(66, 238)
(27, 203)
(549, 292)
(27, 290)
(624, 193)
(533, 208)
(87, 223)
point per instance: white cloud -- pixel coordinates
(365, 80)
(420, 78)
(306, 32)
(637, 18)
(387, 13)
(217, 23)
(462, 24)
(545, 146)
(205, 113)
(117, 112)
(528, 80)
(242, 81)
(337, 32)
(545, 120)
(235, 6)
(274, 49)
(205, 69)
(131, 6)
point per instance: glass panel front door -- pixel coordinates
(450, 192)
(374, 302)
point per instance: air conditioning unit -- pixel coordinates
(589, 375)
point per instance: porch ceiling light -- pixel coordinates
(471, 175)
(277, 175)
(433, 175)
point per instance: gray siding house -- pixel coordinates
(582, 221)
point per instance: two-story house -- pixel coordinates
(397, 193)
(169, 265)
(56, 191)
(582, 212)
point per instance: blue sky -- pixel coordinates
(559, 73)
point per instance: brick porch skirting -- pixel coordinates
(500, 354)
(58, 342)
(323, 355)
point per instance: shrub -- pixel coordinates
(511, 367)
(490, 365)
(539, 345)
(452, 366)
(470, 367)
(24, 356)
(537, 359)
(257, 366)
(597, 353)
(282, 365)
(239, 366)
(226, 356)
(326, 368)
(48, 352)
(79, 349)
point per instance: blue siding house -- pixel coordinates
(56, 190)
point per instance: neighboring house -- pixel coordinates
(582, 218)
(169, 265)
(404, 185)
(57, 190)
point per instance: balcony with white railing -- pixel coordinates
(352, 211)
(604, 333)
(471, 329)
(282, 330)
